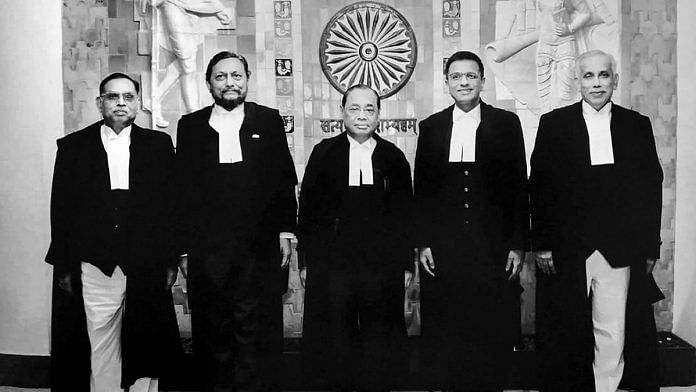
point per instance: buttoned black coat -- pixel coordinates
(503, 194)
(470, 230)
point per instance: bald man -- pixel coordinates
(596, 196)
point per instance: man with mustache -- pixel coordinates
(237, 215)
(472, 205)
(113, 324)
(596, 194)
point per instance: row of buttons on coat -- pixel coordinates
(466, 190)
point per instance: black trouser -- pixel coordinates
(236, 323)
(355, 335)
(366, 329)
(465, 328)
(564, 339)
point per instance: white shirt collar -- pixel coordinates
(360, 161)
(227, 124)
(117, 147)
(370, 143)
(590, 111)
(473, 114)
(463, 140)
(219, 111)
(108, 134)
(598, 124)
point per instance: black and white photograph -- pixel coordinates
(317, 195)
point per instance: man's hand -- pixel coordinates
(285, 251)
(425, 257)
(544, 260)
(172, 272)
(408, 278)
(515, 263)
(65, 282)
(303, 276)
(183, 265)
(650, 265)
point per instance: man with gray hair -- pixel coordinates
(353, 229)
(596, 202)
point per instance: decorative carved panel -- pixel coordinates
(368, 43)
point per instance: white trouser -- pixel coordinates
(104, 303)
(609, 291)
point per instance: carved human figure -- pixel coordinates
(562, 30)
(183, 33)
(558, 20)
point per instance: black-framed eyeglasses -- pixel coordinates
(115, 97)
(457, 76)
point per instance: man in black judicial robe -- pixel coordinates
(102, 217)
(237, 215)
(353, 225)
(594, 196)
(473, 224)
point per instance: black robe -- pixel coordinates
(81, 229)
(471, 215)
(230, 216)
(578, 208)
(354, 242)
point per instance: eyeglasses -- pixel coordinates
(456, 76)
(115, 97)
(355, 110)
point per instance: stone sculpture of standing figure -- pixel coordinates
(182, 33)
(557, 48)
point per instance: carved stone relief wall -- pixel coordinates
(85, 59)
(368, 43)
(649, 85)
(400, 111)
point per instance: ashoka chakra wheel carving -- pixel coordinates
(369, 43)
